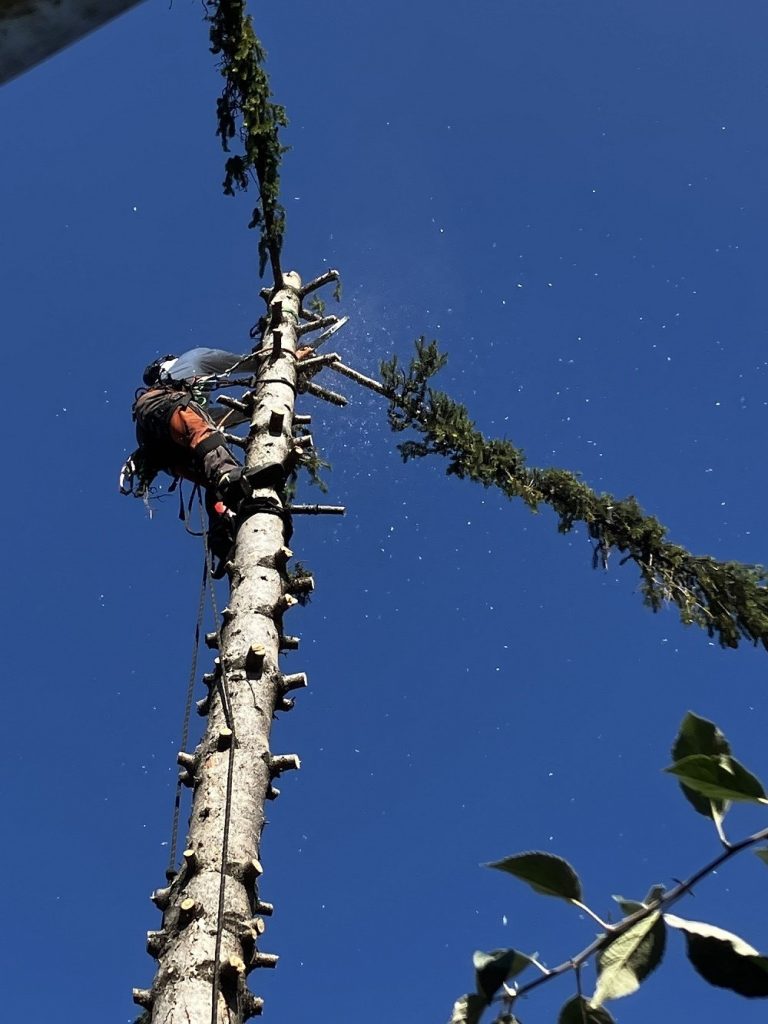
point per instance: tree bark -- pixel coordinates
(233, 766)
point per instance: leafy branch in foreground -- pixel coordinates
(245, 107)
(625, 953)
(728, 599)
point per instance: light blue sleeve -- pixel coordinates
(201, 362)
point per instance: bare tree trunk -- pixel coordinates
(232, 767)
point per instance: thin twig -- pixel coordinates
(661, 904)
(592, 914)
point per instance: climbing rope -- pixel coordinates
(185, 724)
(227, 710)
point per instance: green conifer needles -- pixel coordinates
(245, 108)
(728, 599)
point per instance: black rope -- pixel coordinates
(222, 881)
(185, 724)
(184, 513)
(274, 380)
(227, 709)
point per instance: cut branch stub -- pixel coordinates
(316, 324)
(301, 420)
(212, 640)
(190, 862)
(254, 659)
(318, 282)
(294, 681)
(143, 997)
(188, 761)
(235, 403)
(252, 1005)
(300, 584)
(224, 738)
(267, 909)
(264, 959)
(317, 510)
(189, 909)
(289, 643)
(249, 931)
(279, 763)
(161, 897)
(235, 439)
(209, 678)
(245, 871)
(156, 943)
(276, 420)
(233, 967)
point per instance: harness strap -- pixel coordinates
(213, 440)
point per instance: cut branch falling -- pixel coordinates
(728, 599)
(245, 108)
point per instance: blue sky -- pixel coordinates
(571, 197)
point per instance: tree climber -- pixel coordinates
(179, 436)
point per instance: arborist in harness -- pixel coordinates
(178, 436)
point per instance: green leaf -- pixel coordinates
(654, 893)
(632, 906)
(628, 906)
(700, 736)
(578, 1011)
(468, 1009)
(723, 959)
(494, 968)
(544, 872)
(762, 854)
(719, 777)
(630, 958)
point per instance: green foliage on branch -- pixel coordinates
(728, 599)
(626, 952)
(245, 109)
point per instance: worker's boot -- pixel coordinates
(221, 538)
(221, 470)
(231, 488)
(239, 483)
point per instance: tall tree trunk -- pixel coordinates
(233, 767)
